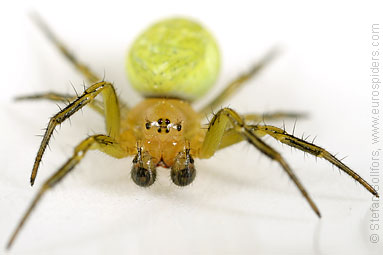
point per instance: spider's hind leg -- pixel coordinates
(272, 116)
(237, 83)
(100, 142)
(64, 98)
(81, 67)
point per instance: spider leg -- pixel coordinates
(231, 137)
(282, 136)
(237, 83)
(82, 68)
(53, 96)
(112, 116)
(99, 142)
(270, 116)
(228, 117)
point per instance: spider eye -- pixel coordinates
(147, 125)
(179, 127)
(143, 171)
(183, 171)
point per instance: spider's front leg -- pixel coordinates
(111, 111)
(99, 142)
(229, 127)
(282, 136)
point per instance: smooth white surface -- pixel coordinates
(240, 202)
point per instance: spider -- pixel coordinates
(172, 63)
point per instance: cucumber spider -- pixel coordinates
(172, 63)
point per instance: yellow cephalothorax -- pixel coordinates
(174, 58)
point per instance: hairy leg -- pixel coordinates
(97, 142)
(226, 118)
(282, 136)
(233, 86)
(52, 96)
(81, 67)
(112, 116)
(231, 137)
(271, 116)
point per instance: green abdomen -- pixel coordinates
(173, 58)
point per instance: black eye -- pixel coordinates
(167, 122)
(147, 125)
(179, 127)
(159, 121)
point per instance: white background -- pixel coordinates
(240, 202)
